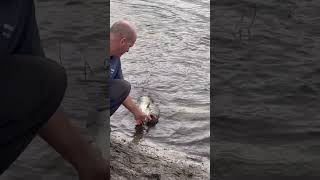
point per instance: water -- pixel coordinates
(265, 71)
(79, 30)
(171, 63)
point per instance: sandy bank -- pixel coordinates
(149, 161)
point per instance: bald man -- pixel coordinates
(123, 35)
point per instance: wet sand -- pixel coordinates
(149, 161)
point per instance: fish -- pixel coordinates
(147, 106)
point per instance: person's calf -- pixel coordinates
(67, 140)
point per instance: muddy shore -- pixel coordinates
(146, 160)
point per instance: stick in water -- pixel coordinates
(60, 52)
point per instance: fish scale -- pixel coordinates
(148, 107)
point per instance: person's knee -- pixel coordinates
(126, 87)
(56, 77)
(119, 91)
(46, 75)
(40, 78)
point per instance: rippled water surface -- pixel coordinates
(171, 63)
(266, 79)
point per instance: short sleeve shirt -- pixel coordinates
(115, 68)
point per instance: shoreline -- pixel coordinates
(149, 161)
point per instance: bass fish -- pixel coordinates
(148, 107)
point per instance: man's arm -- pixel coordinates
(135, 110)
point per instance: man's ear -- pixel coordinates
(123, 41)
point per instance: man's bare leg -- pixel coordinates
(67, 140)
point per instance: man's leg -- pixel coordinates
(31, 90)
(118, 92)
(66, 140)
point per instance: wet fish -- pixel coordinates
(148, 107)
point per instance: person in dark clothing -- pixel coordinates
(122, 37)
(32, 88)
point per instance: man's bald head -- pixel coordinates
(122, 37)
(124, 29)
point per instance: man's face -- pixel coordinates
(125, 45)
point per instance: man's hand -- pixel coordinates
(140, 117)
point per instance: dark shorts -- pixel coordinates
(119, 91)
(31, 90)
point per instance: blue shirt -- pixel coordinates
(115, 68)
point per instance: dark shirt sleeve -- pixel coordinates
(29, 42)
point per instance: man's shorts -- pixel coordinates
(118, 91)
